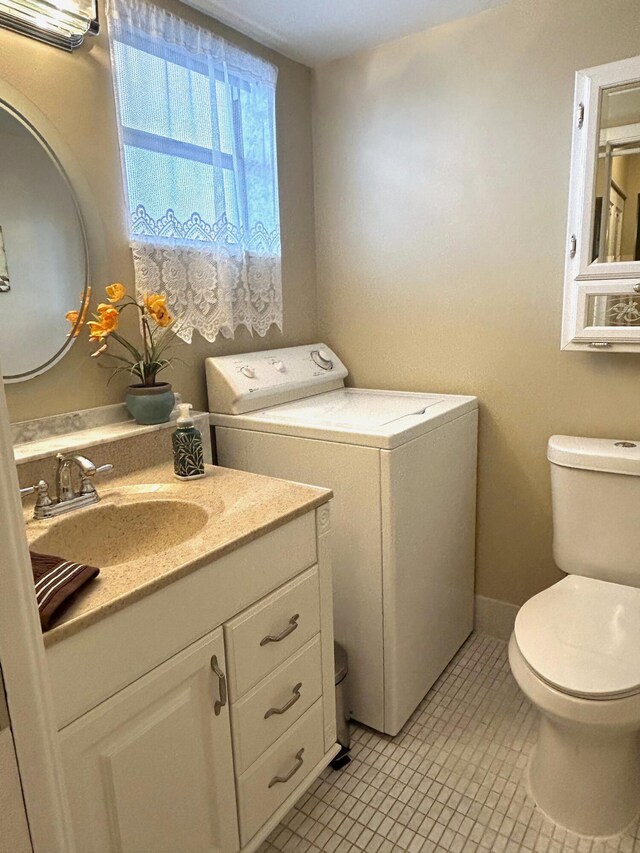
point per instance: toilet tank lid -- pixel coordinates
(612, 455)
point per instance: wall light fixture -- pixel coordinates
(63, 23)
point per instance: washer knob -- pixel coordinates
(322, 359)
(279, 366)
(249, 372)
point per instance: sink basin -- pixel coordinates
(107, 534)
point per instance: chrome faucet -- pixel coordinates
(66, 498)
(64, 486)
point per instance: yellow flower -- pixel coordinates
(105, 310)
(156, 305)
(97, 332)
(108, 316)
(76, 318)
(106, 321)
(115, 292)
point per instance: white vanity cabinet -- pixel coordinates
(149, 769)
(203, 744)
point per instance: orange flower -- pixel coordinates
(72, 317)
(115, 292)
(106, 321)
(77, 318)
(156, 305)
(96, 331)
(108, 313)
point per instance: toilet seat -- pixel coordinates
(582, 636)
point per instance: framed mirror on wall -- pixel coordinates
(602, 270)
(617, 187)
(44, 268)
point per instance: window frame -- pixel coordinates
(143, 140)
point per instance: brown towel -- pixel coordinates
(57, 581)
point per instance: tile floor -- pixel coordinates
(450, 781)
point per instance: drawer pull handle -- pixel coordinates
(299, 762)
(289, 704)
(222, 684)
(275, 638)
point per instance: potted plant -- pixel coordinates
(148, 401)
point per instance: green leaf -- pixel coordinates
(115, 370)
(117, 357)
(125, 343)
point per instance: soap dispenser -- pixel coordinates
(188, 459)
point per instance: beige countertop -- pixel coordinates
(228, 509)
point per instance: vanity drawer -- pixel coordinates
(265, 635)
(266, 785)
(271, 708)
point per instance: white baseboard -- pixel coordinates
(494, 617)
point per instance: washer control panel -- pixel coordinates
(322, 358)
(252, 381)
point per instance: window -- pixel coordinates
(197, 132)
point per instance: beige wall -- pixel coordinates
(74, 92)
(441, 167)
(441, 180)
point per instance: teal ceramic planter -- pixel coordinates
(151, 404)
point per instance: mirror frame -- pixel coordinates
(27, 122)
(581, 274)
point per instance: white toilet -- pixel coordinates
(575, 648)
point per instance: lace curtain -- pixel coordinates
(197, 135)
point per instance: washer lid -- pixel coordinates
(383, 419)
(351, 408)
(582, 636)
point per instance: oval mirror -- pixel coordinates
(43, 252)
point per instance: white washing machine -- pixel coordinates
(402, 467)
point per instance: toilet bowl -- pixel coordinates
(575, 648)
(577, 661)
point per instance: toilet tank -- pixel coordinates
(595, 489)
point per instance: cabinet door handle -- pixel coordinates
(289, 704)
(222, 685)
(299, 762)
(275, 638)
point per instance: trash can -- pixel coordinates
(342, 706)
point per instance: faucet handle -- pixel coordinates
(41, 488)
(86, 486)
